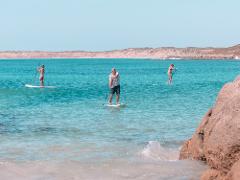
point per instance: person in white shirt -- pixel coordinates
(114, 85)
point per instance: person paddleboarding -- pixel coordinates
(114, 85)
(170, 73)
(41, 71)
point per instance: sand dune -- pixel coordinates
(152, 53)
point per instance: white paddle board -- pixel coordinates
(116, 105)
(32, 86)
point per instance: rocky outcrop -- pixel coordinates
(152, 53)
(217, 139)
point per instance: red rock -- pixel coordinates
(217, 139)
(211, 174)
(234, 173)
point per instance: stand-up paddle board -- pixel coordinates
(32, 86)
(116, 105)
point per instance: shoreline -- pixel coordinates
(86, 58)
(164, 53)
(116, 58)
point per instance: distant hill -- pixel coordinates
(152, 53)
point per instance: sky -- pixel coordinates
(98, 25)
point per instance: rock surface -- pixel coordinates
(152, 53)
(234, 174)
(217, 139)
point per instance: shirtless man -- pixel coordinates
(41, 71)
(170, 73)
(114, 85)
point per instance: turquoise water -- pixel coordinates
(72, 122)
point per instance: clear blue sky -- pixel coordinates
(58, 25)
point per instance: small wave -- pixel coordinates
(155, 151)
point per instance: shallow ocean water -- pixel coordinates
(68, 132)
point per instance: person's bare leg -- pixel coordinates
(110, 98)
(41, 83)
(169, 79)
(118, 98)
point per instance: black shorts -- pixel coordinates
(115, 89)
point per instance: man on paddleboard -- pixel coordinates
(170, 73)
(114, 85)
(41, 71)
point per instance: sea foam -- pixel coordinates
(155, 151)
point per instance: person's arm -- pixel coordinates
(110, 81)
